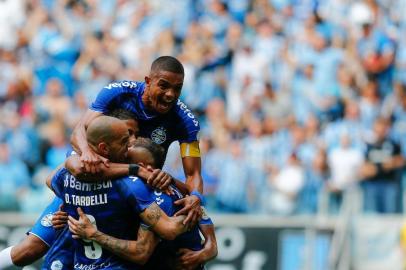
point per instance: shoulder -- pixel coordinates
(126, 86)
(61, 172)
(186, 116)
(132, 185)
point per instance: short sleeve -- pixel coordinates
(138, 194)
(106, 97)
(205, 220)
(110, 94)
(70, 152)
(58, 181)
(188, 126)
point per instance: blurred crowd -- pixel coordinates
(295, 97)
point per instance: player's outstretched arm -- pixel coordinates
(137, 251)
(192, 167)
(115, 170)
(166, 227)
(194, 182)
(189, 259)
(89, 159)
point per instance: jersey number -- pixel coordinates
(92, 249)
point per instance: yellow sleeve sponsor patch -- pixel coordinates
(190, 149)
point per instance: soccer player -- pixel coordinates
(161, 117)
(42, 236)
(193, 255)
(113, 205)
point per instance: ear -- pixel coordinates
(103, 148)
(147, 80)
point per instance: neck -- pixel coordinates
(145, 101)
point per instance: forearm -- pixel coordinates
(78, 139)
(135, 251)
(115, 170)
(171, 228)
(182, 187)
(194, 183)
(209, 250)
(192, 168)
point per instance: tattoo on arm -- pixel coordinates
(117, 246)
(138, 251)
(143, 241)
(152, 215)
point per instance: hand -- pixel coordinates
(159, 179)
(389, 165)
(188, 259)
(368, 170)
(90, 161)
(59, 218)
(191, 208)
(81, 228)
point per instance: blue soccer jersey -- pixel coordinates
(113, 206)
(165, 252)
(179, 124)
(43, 226)
(190, 239)
(61, 254)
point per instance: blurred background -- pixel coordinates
(302, 107)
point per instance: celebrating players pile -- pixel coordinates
(114, 206)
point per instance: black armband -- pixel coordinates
(133, 169)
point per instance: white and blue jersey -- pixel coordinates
(179, 124)
(114, 206)
(60, 255)
(43, 226)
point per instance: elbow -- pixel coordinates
(76, 172)
(143, 260)
(139, 258)
(169, 235)
(214, 252)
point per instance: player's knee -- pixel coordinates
(28, 251)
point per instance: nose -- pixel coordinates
(170, 94)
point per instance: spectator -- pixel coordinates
(377, 53)
(14, 179)
(234, 182)
(315, 179)
(383, 160)
(285, 186)
(344, 162)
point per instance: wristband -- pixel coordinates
(199, 195)
(133, 169)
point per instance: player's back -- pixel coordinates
(110, 206)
